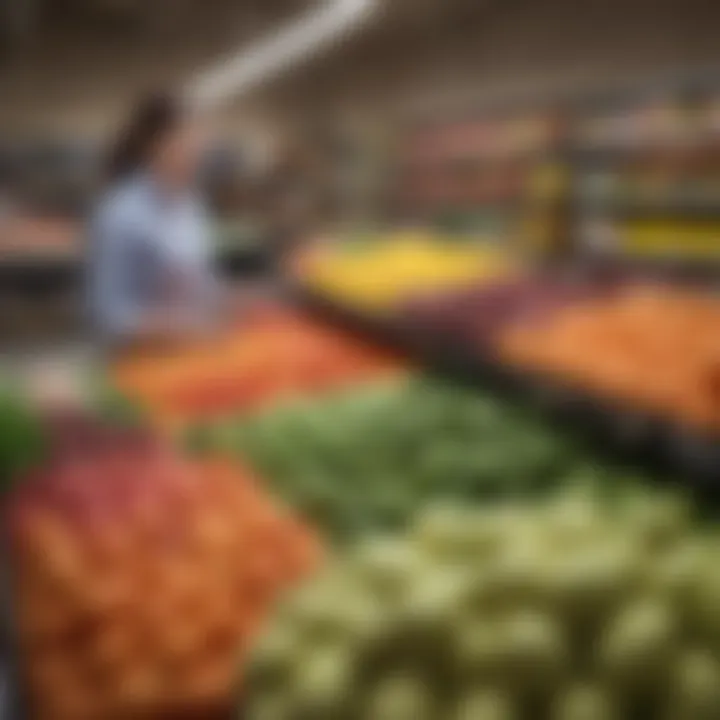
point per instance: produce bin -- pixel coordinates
(619, 428)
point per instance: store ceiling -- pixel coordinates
(30, 19)
(24, 21)
(69, 57)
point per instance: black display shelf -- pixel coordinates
(12, 700)
(33, 273)
(248, 261)
(44, 276)
(625, 434)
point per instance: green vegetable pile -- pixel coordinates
(22, 441)
(369, 457)
(566, 609)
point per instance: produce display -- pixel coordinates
(277, 354)
(568, 610)
(140, 577)
(654, 347)
(368, 458)
(477, 314)
(376, 276)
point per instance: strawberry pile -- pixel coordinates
(141, 577)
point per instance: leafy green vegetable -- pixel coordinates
(369, 457)
(22, 441)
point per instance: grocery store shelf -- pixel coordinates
(478, 161)
(670, 208)
(620, 154)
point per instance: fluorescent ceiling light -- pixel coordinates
(247, 68)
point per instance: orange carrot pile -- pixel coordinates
(655, 347)
(141, 577)
(280, 354)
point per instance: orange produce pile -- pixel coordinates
(656, 347)
(140, 577)
(280, 353)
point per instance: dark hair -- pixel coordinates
(155, 117)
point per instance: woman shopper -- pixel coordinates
(150, 269)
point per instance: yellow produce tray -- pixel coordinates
(378, 276)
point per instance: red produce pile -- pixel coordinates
(140, 576)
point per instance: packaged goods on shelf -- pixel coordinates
(377, 277)
(482, 174)
(279, 354)
(647, 175)
(573, 608)
(654, 124)
(139, 577)
(652, 346)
